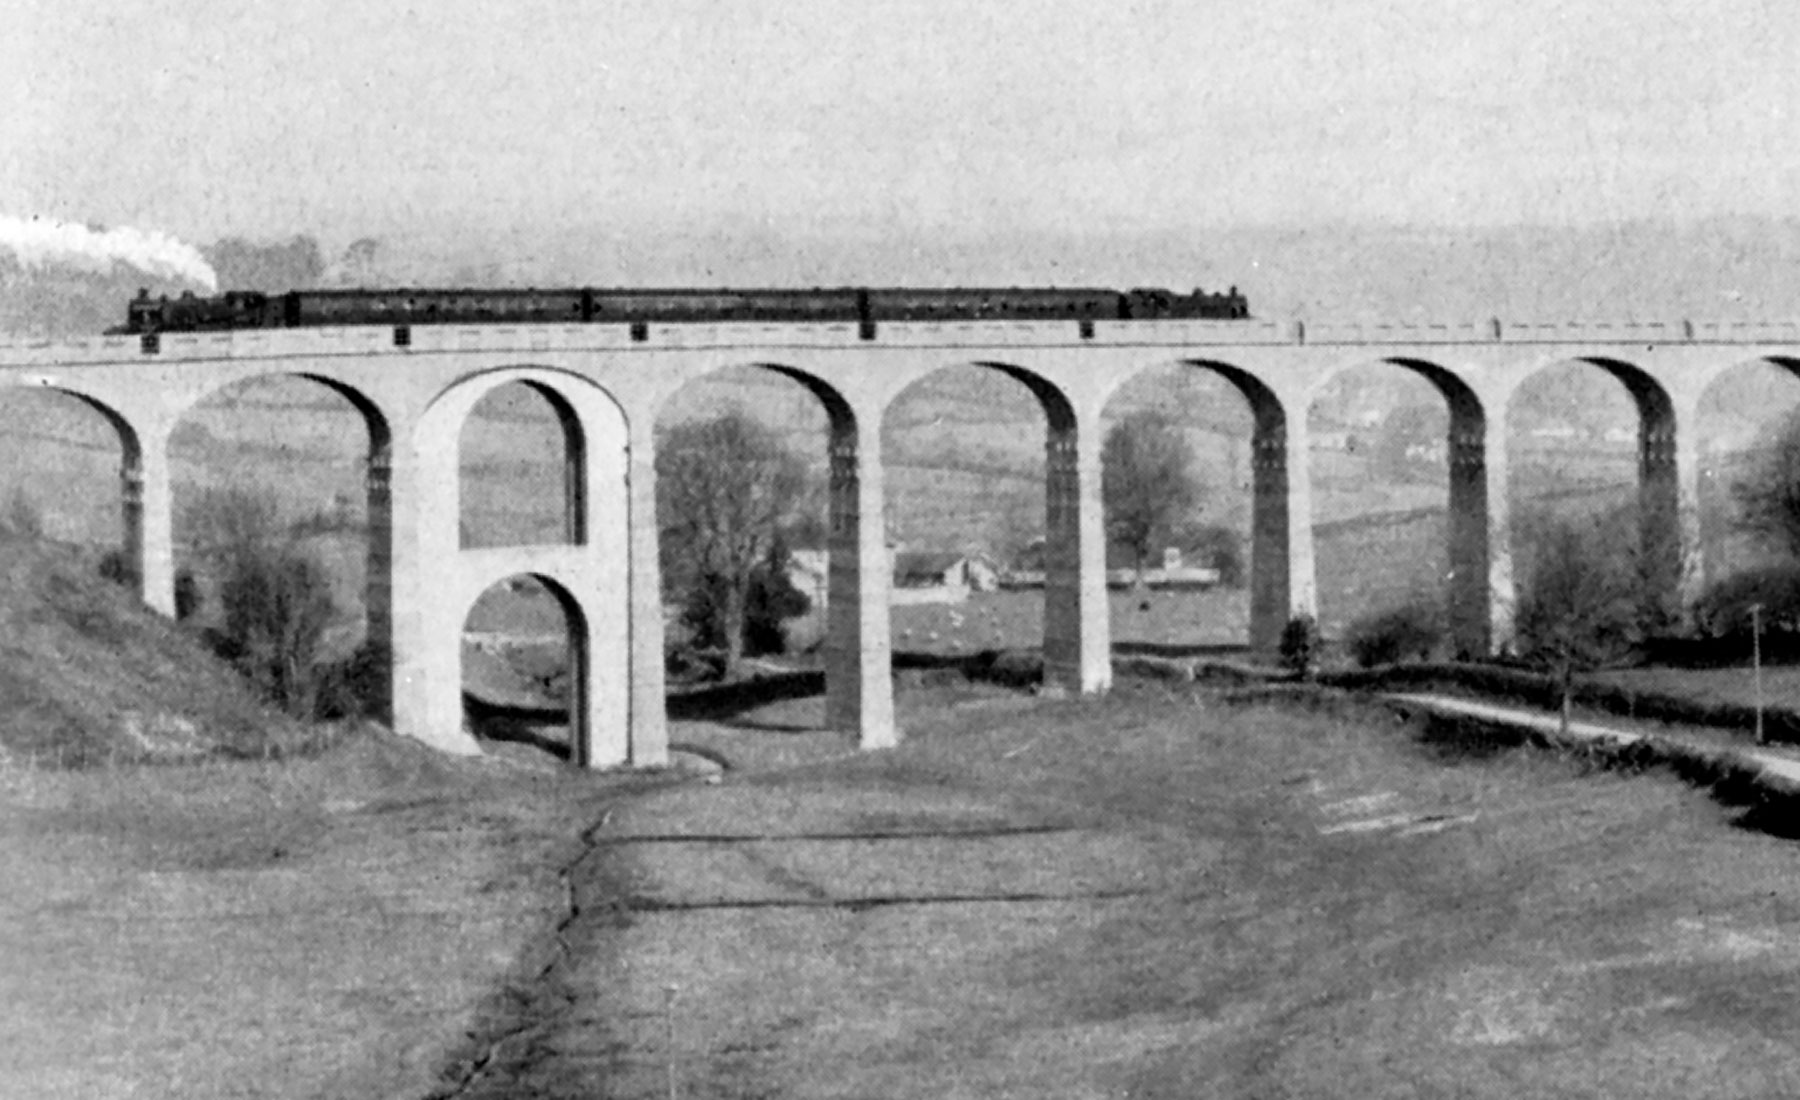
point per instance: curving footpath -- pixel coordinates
(1775, 767)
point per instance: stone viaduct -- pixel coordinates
(608, 387)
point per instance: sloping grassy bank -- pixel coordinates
(344, 924)
(89, 676)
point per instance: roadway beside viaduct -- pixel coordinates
(415, 396)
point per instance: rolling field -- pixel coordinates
(1780, 683)
(1011, 619)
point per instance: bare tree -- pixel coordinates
(726, 488)
(1580, 607)
(274, 598)
(1147, 482)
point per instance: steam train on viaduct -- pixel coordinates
(640, 308)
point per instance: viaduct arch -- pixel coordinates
(1075, 625)
(858, 687)
(609, 387)
(377, 594)
(1275, 547)
(1667, 528)
(1714, 556)
(1474, 589)
(589, 572)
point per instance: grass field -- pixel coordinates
(1781, 684)
(1008, 619)
(1164, 895)
(1159, 893)
(313, 928)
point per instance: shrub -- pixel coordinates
(115, 567)
(274, 598)
(1723, 610)
(1219, 547)
(1300, 645)
(1583, 605)
(356, 687)
(771, 600)
(188, 598)
(686, 663)
(1387, 637)
(277, 605)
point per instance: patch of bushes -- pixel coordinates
(356, 687)
(687, 664)
(769, 603)
(1014, 668)
(1723, 610)
(1412, 630)
(1300, 645)
(274, 597)
(1220, 548)
(117, 568)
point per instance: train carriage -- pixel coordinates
(641, 308)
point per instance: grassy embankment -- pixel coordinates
(205, 899)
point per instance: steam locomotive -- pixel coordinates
(639, 308)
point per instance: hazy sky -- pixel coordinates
(207, 118)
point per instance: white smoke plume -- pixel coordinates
(38, 242)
